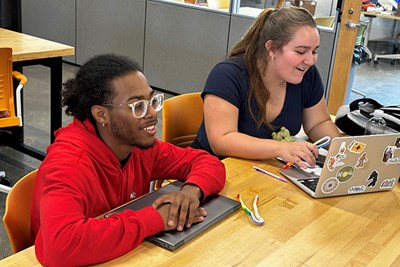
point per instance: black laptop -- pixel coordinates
(218, 207)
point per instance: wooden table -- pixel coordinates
(29, 50)
(357, 230)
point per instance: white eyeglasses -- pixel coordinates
(139, 108)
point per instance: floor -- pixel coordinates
(378, 81)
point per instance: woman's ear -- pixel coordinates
(270, 49)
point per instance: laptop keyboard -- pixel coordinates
(310, 183)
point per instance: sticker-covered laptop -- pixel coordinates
(218, 207)
(353, 165)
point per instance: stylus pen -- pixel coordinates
(289, 164)
(270, 174)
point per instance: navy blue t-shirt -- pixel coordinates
(229, 80)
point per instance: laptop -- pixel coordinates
(218, 207)
(352, 165)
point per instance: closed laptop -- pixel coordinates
(218, 207)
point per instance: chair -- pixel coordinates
(181, 118)
(360, 42)
(218, 4)
(9, 114)
(396, 41)
(325, 21)
(392, 57)
(187, 1)
(5, 183)
(17, 216)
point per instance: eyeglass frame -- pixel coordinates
(147, 103)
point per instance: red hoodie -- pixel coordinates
(81, 178)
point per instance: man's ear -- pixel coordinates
(100, 114)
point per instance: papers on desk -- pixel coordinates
(385, 7)
(378, 10)
(388, 4)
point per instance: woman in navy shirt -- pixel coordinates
(269, 81)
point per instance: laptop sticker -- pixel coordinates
(342, 151)
(388, 183)
(356, 147)
(330, 185)
(361, 161)
(345, 174)
(373, 178)
(388, 155)
(397, 143)
(356, 189)
(334, 162)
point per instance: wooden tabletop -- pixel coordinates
(357, 230)
(380, 15)
(26, 47)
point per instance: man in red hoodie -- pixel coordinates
(106, 157)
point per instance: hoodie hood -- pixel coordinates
(82, 136)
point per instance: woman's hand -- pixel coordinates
(298, 152)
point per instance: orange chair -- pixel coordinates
(218, 4)
(17, 216)
(9, 116)
(181, 118)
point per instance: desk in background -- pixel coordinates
(371, 16)
(353, 230)
(29, 50)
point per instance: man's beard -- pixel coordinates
(122, 133)
(144, 146)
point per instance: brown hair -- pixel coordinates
(278, 26)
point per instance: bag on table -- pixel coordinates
(352, 119)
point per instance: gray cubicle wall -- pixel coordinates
(176, 44)
(325, 58)
(182, 45)
(50, 19)
(110, 27)
(240, 24)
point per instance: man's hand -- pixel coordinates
(164, 210)
(180, 208)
